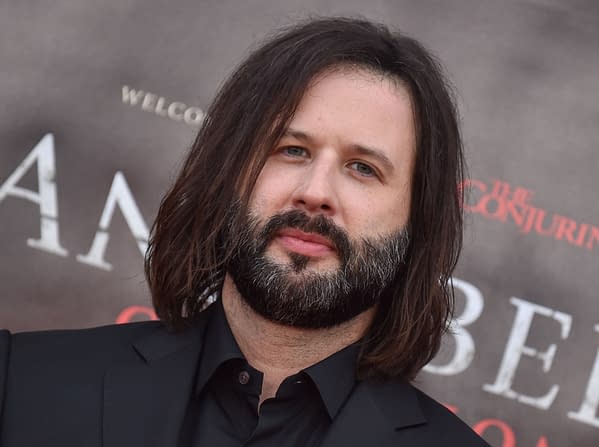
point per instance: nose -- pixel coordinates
(316, 192)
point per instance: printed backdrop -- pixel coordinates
(100, 101)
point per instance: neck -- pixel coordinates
(280, 351)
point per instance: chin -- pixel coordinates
(313, 265)
(302, 263)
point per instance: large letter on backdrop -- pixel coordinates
(43, 154)
(464, 343)
(515, 348)
(120, 195)
(588, 410)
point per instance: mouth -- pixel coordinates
(307, 244)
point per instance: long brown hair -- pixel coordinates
(193, 235)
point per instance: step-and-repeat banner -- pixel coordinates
(100, 101)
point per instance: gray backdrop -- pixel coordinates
(100, 100)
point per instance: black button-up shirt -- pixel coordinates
(223, 410)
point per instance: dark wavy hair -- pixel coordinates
(194, 233)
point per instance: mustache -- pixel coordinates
(297, 219)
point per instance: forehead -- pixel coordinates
(352, 106)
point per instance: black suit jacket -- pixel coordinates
(129, 385)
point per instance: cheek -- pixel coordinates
(398, 212)
(270, 191)
(376, 214)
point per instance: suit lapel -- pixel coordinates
(145, 401)
(374, 414)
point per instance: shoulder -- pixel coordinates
(101, 334)
(113, 334)
(446, 424)
(116, 343)
(418, 418)
(93, 346)
(43, 368)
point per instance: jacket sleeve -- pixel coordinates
(4, 354)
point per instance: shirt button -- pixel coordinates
(244, 377)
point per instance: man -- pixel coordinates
(319, 209)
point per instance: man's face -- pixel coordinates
(326, 231)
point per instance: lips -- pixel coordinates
(308, 244)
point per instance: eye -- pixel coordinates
(362, 169)
(294, 151)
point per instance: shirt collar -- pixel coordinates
(219, 346)
(334, 376)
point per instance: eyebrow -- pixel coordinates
(362, 150)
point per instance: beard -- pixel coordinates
(294, 295)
